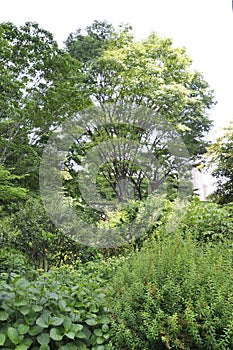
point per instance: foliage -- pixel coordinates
(136, 222)
(174, 295)
(220, 155)
(37, 80)
(89, 43)
(31, 231)
(59, 310)
(207, 221)
(121, 74)
(10, 192)
(13, 261)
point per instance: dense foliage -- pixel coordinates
(221, 162)
(168, 282)
(174, 295)
(37, 91)
(57, 310)
(208, 222)
(121, 73)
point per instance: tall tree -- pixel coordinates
(122, 74)
(40, 85)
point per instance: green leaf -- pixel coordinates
(76, 327)
(67, 324)
(35, 330)
(101, 295)
(81, 335)
(30, 318)
(81, 345)
(4, 315)
(22, 283)
(43, 321)
(37, 308)
(100, 340)
(100, 347)
(23, 328)
(104, 319)
(43, 338)
(105, 328)
(98, 332)
(91, 322)
(22, 347)
(62, 304)
(2, 339)
(56, 321)
(44, 347)
(70, 334)
(24, 310)
(55, 334)
(25, 344)
(14, 335)
(21, 302)
(69, 346)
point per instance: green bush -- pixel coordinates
(64, 310)
(174, 294)
(12, 260)
(31, 232)
(208, 221)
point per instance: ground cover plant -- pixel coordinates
(64, 310)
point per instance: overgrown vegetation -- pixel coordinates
(174, 294)
(168, 282)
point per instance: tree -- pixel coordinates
(89, 43)
(40, 86)
(123, 74)
(220, 155)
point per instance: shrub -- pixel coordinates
(12, 260)
(208, 221)
(59, 310)
(174, 295)
(33, 233)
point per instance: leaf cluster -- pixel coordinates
(58, 310)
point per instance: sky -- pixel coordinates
(204, 27)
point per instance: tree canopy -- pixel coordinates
(40, 86)
(123, 73)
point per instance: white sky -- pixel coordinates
(204, 27)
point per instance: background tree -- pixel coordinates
(150, 73)
(89, 43)
(221, 161)
(40, 86)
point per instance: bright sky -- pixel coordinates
(204, 27)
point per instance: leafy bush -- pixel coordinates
(105, 269)
(135, 222)
(31, 232)
(12, 260)
(59, 310)
(174, 295)
(208, 221)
